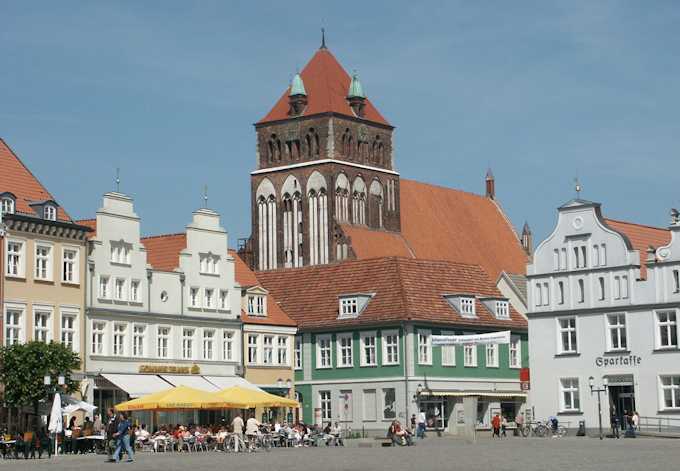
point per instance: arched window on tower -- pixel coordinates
(342, 198)
(292, 232)
(359, 201)
(266, 225)
(375, 210)
(317, 219)
(347, 144)
(312, 143)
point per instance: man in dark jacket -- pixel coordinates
(111, 428)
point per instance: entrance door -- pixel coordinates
(435, 412)
(622, 400)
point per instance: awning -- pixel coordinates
(480, 394)
(196, 382)
(137, 385)
(224, 382)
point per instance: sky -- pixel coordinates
(168, 91)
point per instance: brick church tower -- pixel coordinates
(324, 159)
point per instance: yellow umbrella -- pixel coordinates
(251, 398)
(180, 397)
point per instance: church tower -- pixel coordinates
(324, 159)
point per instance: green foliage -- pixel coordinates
(23, 366)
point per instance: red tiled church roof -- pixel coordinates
(326, 84)
(440, 223)
(404, 289)
(641, 237)
(162, 251)
(17, 179)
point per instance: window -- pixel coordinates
(537, 291)
(193, 297)
(348, 307)
(119, 289)
(616, 326)
(584, 258)
(104, 287)
(448, 353)
(563, 259)
(208, 298)
(68, 331)
(120, 252)
(134, 291)
(224, 299)
(282, 350)
(390, 348)
(344, 345)
(298, 353)
(470, 355)
(492, 356)
(515, 352)
(188, 344)
(603, 254)
(256, 305)
(560, 292)
(208, 344)
(424, 347)
(43, 262)
(325, 405)
(670, 392)
(601, 285)
(323, 351)
(50, 213)
(252, 348)
(569, 400)
(119, 331)
(624, 287)
(138, 341)
(41, 324)
(368, 353)
(13, 330)
(467, 307)
(98, 335)
(667, 329)
(577, 257)
(209, 264)
(69, 266)
(163, 342)
(7, 206)
(502, 310)
(580, 256)
(676, 281)
(596, 255)
(545, 294)
(268, 350)
(567, 335)
(556, 259)
(581, 291)
(227, 345)
(15, 266)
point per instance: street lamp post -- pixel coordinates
(603, 389)
(419, 391)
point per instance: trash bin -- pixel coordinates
(581, 428)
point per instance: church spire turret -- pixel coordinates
(297, 98)
(356, 96)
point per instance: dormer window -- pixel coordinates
(7, 205)
(464, 303)
(502, 310)
(256, 305)
(467, 307)
(350, 306)
(50, 212)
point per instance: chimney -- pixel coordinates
(490, 185)
(527, 238)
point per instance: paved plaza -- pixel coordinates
(570, 453)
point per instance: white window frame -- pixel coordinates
(675, 275)
(6, 205)
(425, 346)
(50, 212)
(135, 291)
(349, 307)
(224, 300)
(101, 337)
(119, 350)
(516, 346)
(72, 331)
(104, 287)
(342, 349)
(601, 283)
(74, 264)
(560, 346)
(122, 282)
(674, 389)
(228, 337)
(320, 349)
(502, 309)
(195, 297)
(282, 350)
(17, 267)
(366, 347)
(209, 264)
(16, 327)
(448, 352)
(167, 337)
(257, 305)
(188, 343)
(298, 352)
(208, 344)
(42, 333)
(47, 259)
(139, 335)
(493, 350)
(208, 298)
(326, 405)
(624, 287)
(467, 307)
(268, 349)
(470, 361)
(387, 346)
(560, 292)
(120, 252)
(670, 325)
(621, 331)
(572, 386)
(253, 348)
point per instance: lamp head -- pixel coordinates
(47, 380)
(605, 381)
(591, 382)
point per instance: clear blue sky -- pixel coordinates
(168, 92)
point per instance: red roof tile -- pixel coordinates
(17, 179)
(641, 237)
(440, 223)
(162, 252)
(326, 84)
(92, 224)
(404, 289)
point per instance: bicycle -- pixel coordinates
(234, 444)
(261, 441)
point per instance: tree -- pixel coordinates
(23, 366)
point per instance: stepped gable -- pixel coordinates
(403, 290)
(641, 237)
(17, 179)
(439, 223)
(162, 251)
(326, 84)
(275, 314)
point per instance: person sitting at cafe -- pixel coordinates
(336, 431)
(142, 435)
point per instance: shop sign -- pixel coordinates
(170, 369)
(472, 339)
(621, 360)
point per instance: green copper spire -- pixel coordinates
(355, 88)
(297, 87)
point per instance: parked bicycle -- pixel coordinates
(542, 429)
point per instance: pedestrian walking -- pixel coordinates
(496, 425)
(111, 427)
(636, 421)
(504, 427)
(414, 421)
(519, 422)
(122, 436)
(422, 424)
(614, 420)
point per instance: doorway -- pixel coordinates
(435, 412)
(621, 402)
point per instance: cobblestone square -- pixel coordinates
(569, 453)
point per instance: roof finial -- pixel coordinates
(117, 179)
(577, 187)
(323, 39)
(205, 196)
